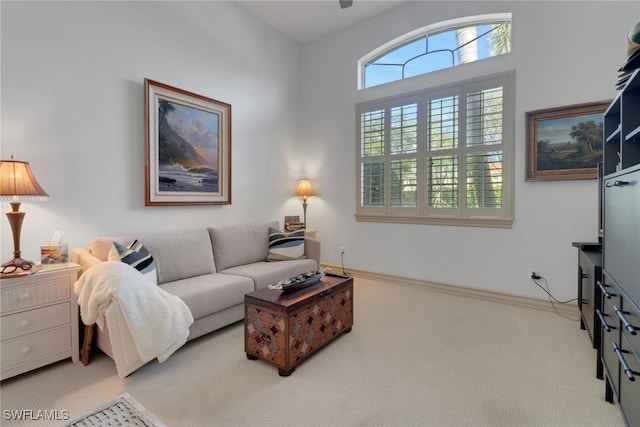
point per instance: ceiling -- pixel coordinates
(309, 20)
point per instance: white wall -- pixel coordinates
(563, 53)
(73, 105)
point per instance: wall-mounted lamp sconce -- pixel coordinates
(17, 185)
(304, 190)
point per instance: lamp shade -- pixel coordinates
(17, 183)
(304, 189)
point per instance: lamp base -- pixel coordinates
(304, 211)
(15, 218)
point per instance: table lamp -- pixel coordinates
(304, 190)
(17, 185)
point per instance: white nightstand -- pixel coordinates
(39, 323)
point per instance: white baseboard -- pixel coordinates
(570, 310)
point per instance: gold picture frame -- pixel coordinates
(565, 143)
(188, 147)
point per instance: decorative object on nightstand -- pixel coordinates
(304, 190)
(292, 223)
(17, 185)
(39, 318)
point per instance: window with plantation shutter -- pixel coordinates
(439, 156)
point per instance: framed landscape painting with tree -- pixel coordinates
(565, 143)
(188, 147)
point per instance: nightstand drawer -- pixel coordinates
(34, 294)
(34, 346)
(36, 320)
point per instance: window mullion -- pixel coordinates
(462, 153)
(386, 156)
(422, 184)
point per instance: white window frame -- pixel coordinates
(422, 214)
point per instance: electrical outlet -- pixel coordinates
(342, 250)
(533, 273)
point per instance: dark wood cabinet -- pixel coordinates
(620, 303)
(622, 128)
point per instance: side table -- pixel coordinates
(39, 319)
(590, 295)
(311, 233)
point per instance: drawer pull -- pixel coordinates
(25, 323)
(627, 370)
(605, 293)
(26, 349)
(265, 337)
(628, 326)
(605, 325)
(617, 183)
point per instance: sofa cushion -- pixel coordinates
(180, 255)
(239, 245)
(283, 246)
(264, 273)
(210, 293)
(137, 256)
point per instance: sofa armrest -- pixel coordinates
(84, 257)
(312, 249)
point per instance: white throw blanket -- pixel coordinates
(143, 321)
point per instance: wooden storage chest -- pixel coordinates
(286, 328)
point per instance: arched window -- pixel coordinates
(439, 154)
(435, 47)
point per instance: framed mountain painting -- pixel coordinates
(188, 147)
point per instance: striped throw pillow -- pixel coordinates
(283, 246)
(137, 256)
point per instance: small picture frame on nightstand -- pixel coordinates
(292, 223)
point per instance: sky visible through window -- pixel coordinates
(431, 52)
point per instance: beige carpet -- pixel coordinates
(414, 358)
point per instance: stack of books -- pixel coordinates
(293, 226)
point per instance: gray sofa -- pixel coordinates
(210, 269)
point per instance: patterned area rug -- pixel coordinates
(123, 411)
